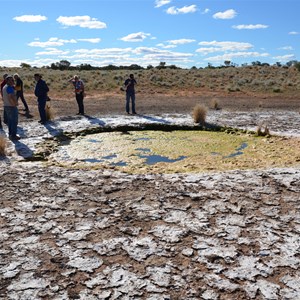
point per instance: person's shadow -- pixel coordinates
(52, 130)
(26, 114)
(154, 119)
(95, 121)
(22, 149)
(49, 126)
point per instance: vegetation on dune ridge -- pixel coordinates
(257, 79)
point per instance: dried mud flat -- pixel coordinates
(102, 234)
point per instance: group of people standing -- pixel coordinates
(129, 87)
(12, 90)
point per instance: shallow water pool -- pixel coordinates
(175, 151)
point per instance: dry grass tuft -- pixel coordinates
(215, 104)
(3, 144)
(49, 112)
(199, 114)
(263, 131)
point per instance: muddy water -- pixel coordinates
(178, 151)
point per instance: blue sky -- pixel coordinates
(185, 33)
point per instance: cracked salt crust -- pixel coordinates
(102, 234)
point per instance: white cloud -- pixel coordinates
(288, 48)
(56, 42)
(234, 55)
(34, 62)
(250, 26)
(293, 32)
(159, 55)
(81, 21)
(228, 14)
(135, 37)
(52, 51)
(215, 46)
(205, 11)
(30, 18)
(103, 51)
(183, 10)
(93, 41)
(166, 46)
(52, 42)
(181, 41)
(159, 3)
(97, 57)
(142, 56)
(125, 56)
(205, 50)
(150, 51)
(285, 58)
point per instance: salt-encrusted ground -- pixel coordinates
(279, 122)
(84, 234)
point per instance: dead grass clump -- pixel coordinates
(263, 131)
(215, 104)
(199, 114)
(3, 144)
(49, 112)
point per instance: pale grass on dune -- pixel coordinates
(267, 79)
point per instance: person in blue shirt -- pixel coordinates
(130, 93)
(79, 93)
(41, 92)
(10, 103)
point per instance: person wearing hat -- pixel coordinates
(11, 107)
(79, 93)
(19, 91)
(41, 92)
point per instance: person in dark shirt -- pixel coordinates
(130, 93)
(19, 91)
(41, 92)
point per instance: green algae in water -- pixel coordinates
(176, 151)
